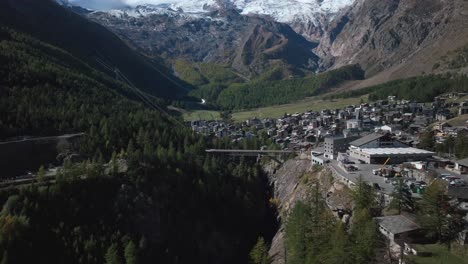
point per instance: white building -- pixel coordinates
(353, 123)
(377, 148)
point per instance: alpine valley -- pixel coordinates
(389, 39)
(233, 131)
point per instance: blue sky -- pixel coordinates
(100, 4)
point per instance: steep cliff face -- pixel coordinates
(390, 39)
(396, 38)
(293, 182)
(287, 191)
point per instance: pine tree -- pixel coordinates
(401, 198)
(433, 209)
(296, 230)
(259, 253)
(131, 253)
(114, 164)
(364, 236)
(427, 140)
(337, 253)
(112, 255)
(437, 216)
(41, 174)
(364, 195)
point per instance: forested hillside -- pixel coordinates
(91, 43)
(265, 92)
(223, 89)
(174, 204)
(313, 234)
(421, 89)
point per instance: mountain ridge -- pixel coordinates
(389, 40)
(92, 43)
(249, 44)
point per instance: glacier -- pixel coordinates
(285, 11)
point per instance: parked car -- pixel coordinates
(458, 182)
(451, 178)
(463, 206)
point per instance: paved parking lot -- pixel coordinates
(365, 171)
(444, 171)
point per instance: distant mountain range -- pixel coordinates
(390, 39)
(91, 43)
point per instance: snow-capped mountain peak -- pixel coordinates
(281, 10)
(291, 10)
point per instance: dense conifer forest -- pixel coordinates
(420, 88)
(173, 204)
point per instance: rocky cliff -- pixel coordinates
(249, 44)
(390, 39)
(395, 38)
(293, 183)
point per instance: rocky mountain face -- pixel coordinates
(390, 38)
(387, 34)
(249, 44)
(293, 182)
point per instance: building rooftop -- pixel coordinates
(366, 139)
(463, 162)
(397, 224)
(396, 151)
(457, 192)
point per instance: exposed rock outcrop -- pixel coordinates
(249, 44)
(389, 39)
(403, 37)
(293, 183)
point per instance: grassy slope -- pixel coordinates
(266, 93)
(312, 103)
(440, 254)
(277, 111)
(458, 121)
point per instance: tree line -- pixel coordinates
(172, 204)
(420, 88)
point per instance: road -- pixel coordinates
(67, 136)
(29, 178)
(365, 171)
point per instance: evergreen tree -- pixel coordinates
(364, 195)
(259, 253)
(433, 209)
(112, 255)
(114, 164)
(131, 253)
(427, 140)
(401, 197)
(339, 244)
(296, 230)
(41, 174)
(364, 236)
(461, 145)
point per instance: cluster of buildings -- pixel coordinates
(377, 142)
(301, 131)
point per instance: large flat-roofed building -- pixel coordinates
(396, 155)
(377, 148)
(335, 145)
(376, 140)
